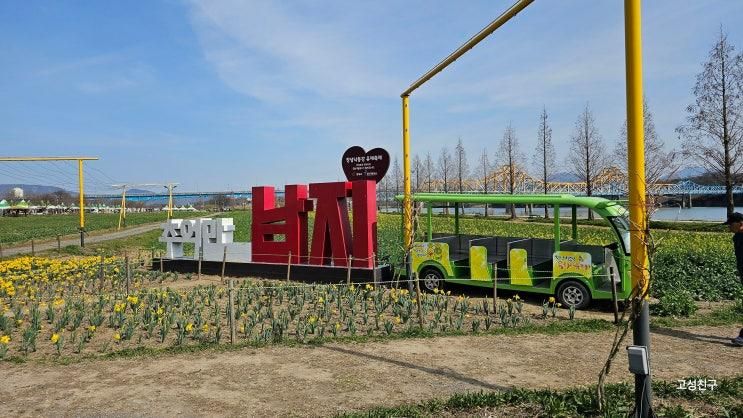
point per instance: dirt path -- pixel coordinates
(321, 381)
(107, 236)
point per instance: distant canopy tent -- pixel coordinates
(17, 209)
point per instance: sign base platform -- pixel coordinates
(299, 272)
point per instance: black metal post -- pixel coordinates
(643, 385)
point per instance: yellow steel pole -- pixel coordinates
(476, 39)
(170, 201)
(407, 203)
(122, 207)
(636, 143)
(637, 205)
(79, 179)
(80, 182)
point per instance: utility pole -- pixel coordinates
(122, 207)
(170, 187)
(637, 204)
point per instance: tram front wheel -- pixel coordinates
(573, 293)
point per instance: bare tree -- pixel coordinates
(659, 163)
(384, 185)
(428, 164)
(485, 168)
(446, 170)
(587, 156)
(544, 154)
(510, 156)
(417, 173)
(713, 131)
(397, 178)
(460, 156)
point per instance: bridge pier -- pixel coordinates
(690, 204)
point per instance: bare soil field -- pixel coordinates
(325, 380)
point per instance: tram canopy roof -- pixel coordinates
(598, 204)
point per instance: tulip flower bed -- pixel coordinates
(64, 307)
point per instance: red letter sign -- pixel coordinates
(331, 239)
(290, 221)
(364, 223)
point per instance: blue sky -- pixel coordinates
(231, 94)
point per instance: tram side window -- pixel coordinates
(621, 226)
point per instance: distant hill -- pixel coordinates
(140, 191)
(690, 173)
(30, 190)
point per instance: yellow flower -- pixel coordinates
(205, 328)
(55, 338)
(398, 320)
(312, 319)
(5, 339)
(320, 300)
(559, 304)
(91, 328)
(117, 336)
(189, 327)
(337, 326)
(552, 299)
(516, 297)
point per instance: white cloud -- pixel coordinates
(272, 53)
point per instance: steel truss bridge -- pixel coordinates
(610, 182)
(150, 197)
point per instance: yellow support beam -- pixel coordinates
(48, 158)
(80, 181)
(407, 208)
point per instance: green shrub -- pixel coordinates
(675, 303)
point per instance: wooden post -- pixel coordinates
(1, 250)
(374, 260)
(418, 298)
(614, 295)
(289, 267)
(100, 272)
(33, 249)
(201, 257)
(231, 293)
(152, 257)
(224, 262)
(348, 271)
(162, 268)
(59, 245)
(127, 271)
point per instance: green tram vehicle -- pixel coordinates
(574, 273)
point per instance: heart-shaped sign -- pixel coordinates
(361, 165)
